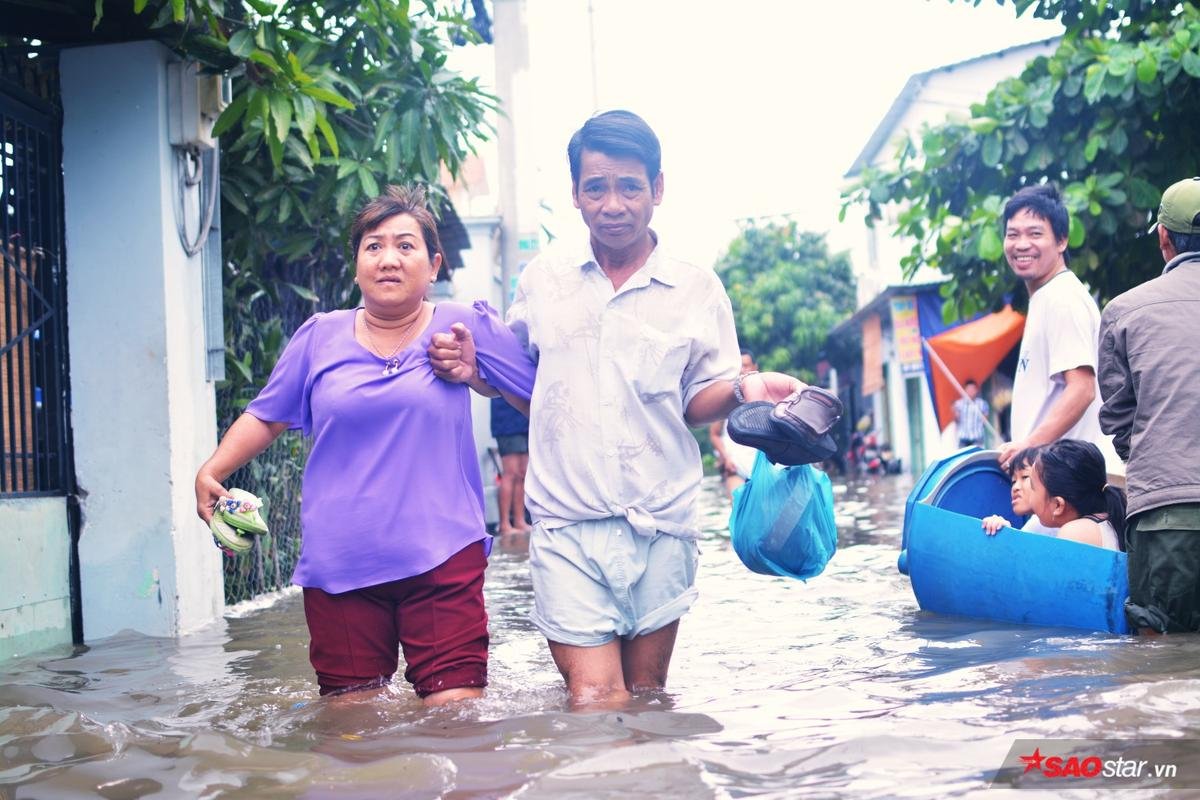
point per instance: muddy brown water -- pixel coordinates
(838, 687)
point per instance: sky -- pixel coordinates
(761, 105)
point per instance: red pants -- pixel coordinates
(438, 618)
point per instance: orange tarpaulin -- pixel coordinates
(972, 352)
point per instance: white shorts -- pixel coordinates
(596, 580)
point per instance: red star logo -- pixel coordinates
(1034, 761)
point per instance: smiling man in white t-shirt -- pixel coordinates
(1055, 394)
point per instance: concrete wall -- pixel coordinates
(143, 414)
(35, 598)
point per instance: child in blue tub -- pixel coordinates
(1064, 487)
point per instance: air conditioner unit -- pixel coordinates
(194, 101)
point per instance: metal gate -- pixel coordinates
(35, 456)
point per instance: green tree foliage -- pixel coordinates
(332, 100)
(787, 292)
(1110, 117)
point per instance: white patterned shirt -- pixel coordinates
(615, 372)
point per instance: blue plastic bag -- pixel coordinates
(782, 520)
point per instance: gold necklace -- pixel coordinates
(391, 364)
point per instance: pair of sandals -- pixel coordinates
(792, 432)
(235, 520)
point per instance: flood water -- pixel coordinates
(838, 687)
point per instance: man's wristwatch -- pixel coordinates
(737, 386)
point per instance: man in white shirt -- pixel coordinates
(1055, 394)
(632, 347)
(970, 411)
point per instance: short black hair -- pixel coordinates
(970, 382)
(396, 201)
(1043, 201)
(621, 134)
(1023, 459)
(747, 352)
(1185, 242)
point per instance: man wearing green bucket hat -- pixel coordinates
(1148, 379)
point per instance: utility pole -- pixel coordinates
(592, 50)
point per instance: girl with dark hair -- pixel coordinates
(1068, 489)
(1018, 473)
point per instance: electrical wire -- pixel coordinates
(190, 173)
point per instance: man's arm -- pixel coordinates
(1077, 395)
(1116, 387)
(715, 401)
(452, 356)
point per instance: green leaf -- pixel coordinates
(993, 149)
(243, 369)
(393, 154)
(306, 114)
(983, 125)
(230, 116)
(233, 197)
(266, 59)
(328, 96)
(276, 148)
(327, 131)
(302, 155)
(262, 7)
(303, 292)
(345, 167)
(281, 112)
(370, 186)
(1076, 233)
(1147, 69)
(344, 195)
(260, 107)
(990, 245)
(139, 6)
(241, 44)
(178, 10)
(1191, 63)
(1143, 193)
(1118, 140)
(383, 127)
(297, 69)
(97, 13)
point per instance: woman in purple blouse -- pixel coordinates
(394, 545)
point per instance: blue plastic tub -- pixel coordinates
(1013, 576)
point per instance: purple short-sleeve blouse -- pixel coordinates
(392, 486)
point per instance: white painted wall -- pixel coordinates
(143, 414)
